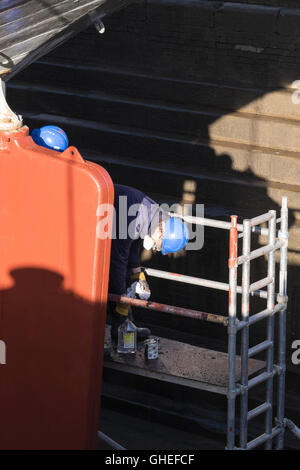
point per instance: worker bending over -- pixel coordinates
(139, 223)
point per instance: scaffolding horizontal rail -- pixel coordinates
(190, 219)
(259, 348)
(258, 285)
(261, 219)
(184, 312)
(198, 281)
(260, 252)
(258, 410)
(261, 315)
(263, 438)
(260, 378)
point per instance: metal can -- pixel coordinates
(151, 348)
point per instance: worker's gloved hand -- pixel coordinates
(139, 287)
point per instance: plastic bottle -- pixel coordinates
(127, 335)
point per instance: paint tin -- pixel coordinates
(151, 348)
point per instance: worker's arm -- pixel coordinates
(137, 280)
(139, 286)
(134, 259)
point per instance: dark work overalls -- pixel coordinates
(126, 252)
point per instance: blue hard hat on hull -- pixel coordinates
(175, 236)
(51, 137)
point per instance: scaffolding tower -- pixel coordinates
(240, 322)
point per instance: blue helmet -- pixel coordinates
(175, 236)
(51, 137)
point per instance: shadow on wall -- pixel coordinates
(50, 388)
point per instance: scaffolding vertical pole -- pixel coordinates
(245, 335)
(232, 330)
(283, 235)
(270, 330)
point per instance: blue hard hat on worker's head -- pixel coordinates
(51, 137)
(175, 236)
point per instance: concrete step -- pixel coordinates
(159, 116)
(179, 151)
(225, 42)
(235, 189)
(268, 3)
(241, 194)
(120, 81)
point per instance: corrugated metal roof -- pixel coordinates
(31, 28)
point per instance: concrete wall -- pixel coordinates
(232, 42)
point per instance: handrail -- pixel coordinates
(184, 312)
(198, 281)
(222, 224)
